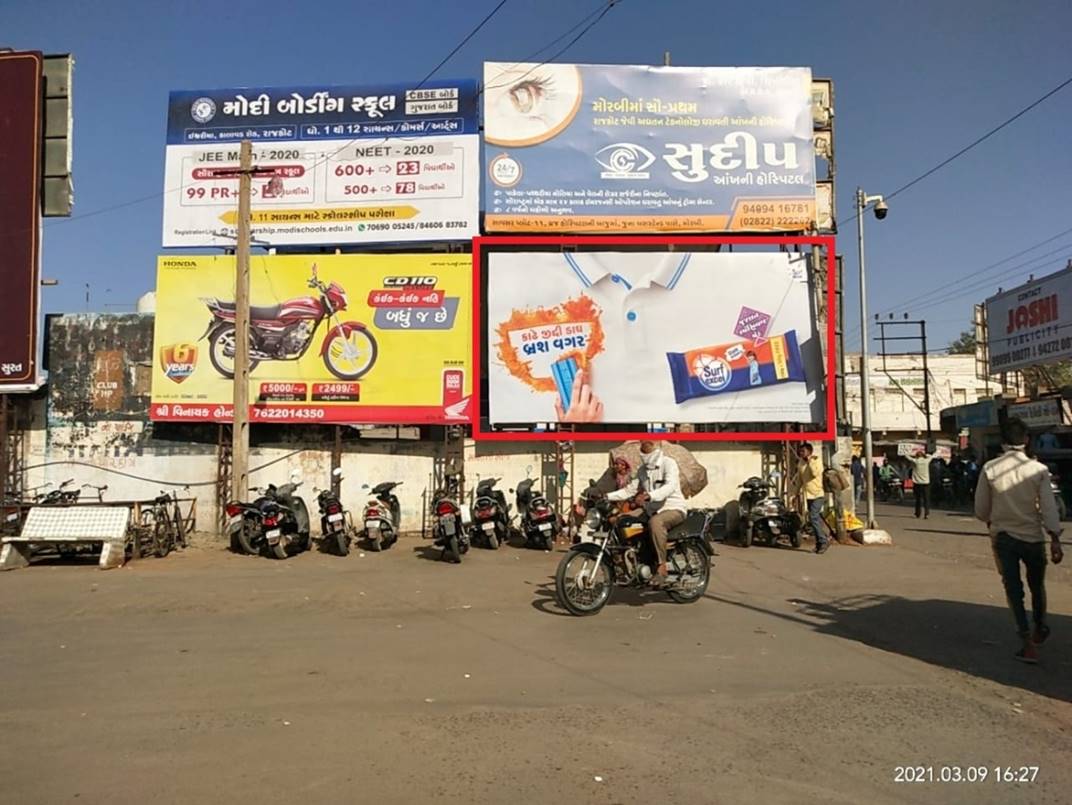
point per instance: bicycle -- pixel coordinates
(100, 490)
(163, 526)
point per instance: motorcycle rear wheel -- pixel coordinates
(245, 537)
(218, 339)
(492, 538)
(694, 558)
(452, 551)
(597, 589)
(375, 540)
(279, 550)
(794, 538)
(342, 542)
(746, 534)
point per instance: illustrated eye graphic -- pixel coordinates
(624, 157)
(526, 95)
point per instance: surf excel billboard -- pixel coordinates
(346, 164)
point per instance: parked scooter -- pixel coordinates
(538, 521)
(449, 530)
(491, 514)
(335, 522)
(282, 520)
(764, 517)
(382, 516)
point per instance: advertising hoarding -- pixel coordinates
(21, 97)
(673, 337)
(1038, 413)
(335, 339)
(618, 148)
(1031, 324)
(345, 164)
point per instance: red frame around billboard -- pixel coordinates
(824, 241)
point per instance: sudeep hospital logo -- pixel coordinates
(624, 161)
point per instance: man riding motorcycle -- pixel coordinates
(656, 489)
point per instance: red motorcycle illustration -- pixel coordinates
(284, 332)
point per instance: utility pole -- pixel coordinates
(666, 58)
(926, 381)
(240, 430)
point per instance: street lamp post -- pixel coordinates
(881, 210)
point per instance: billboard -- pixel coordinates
(340, 164)
(618, 148)
(21, 96)
(670, 337)
(1031, 324)
(334, 339)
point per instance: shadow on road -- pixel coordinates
(974, 639)
(432, 553)
(546, 601)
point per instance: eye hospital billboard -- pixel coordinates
(334, 339)
(675, 337)
(340, 164)
(1031, 324)
(618, 148)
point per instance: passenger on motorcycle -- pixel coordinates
(657, 489)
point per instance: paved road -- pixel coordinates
(394, 678)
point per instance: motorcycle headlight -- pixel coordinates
(591, 520)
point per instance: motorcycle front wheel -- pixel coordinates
(582, 585)
(693, 570)
(349, 356)
(220, 341)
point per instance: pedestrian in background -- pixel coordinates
(859, 477)
(1014, 498)
(809, 481)
(921, 482)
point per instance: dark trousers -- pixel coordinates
(815, 517)
(1009, 552)
(923, 498)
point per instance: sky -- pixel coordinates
(914, 82)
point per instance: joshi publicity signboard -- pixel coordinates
(617, 148)
(336, 164)
(334, 339)
(1031, 324)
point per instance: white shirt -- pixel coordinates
(1014, 496)
(663, 485)
(651, 304)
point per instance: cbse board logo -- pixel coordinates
(203, 110)
(713, 373)
(178, 361)
(624, 161)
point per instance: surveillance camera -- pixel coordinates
(881, 210)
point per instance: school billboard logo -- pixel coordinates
(178, 361)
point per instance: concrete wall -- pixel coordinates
(93, 426)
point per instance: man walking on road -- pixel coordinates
(921, 482)
(859, 476)
(809, 480)
(1014, 498)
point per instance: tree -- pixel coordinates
(964, 344)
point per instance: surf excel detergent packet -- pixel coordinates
(736, 366)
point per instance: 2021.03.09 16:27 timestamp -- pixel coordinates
(965, 774)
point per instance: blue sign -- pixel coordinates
(613, 148)
(322, 112)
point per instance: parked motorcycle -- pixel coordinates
(282, 520)
(382, 516)
(285, 331)
(335, 521)
(491, 514)
(61, 495)
(891, 489)
(449, 530)
(764, 517)
(537, 519)
(617, 550)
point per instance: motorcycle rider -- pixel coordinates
(657, 489)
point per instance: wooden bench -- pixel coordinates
(69, 525)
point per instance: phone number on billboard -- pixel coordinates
(415, 225)
(288, 414)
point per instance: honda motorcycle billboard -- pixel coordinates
(619, 148)
(337, 164)
(333, 339)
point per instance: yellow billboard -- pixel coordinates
(345, 338)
